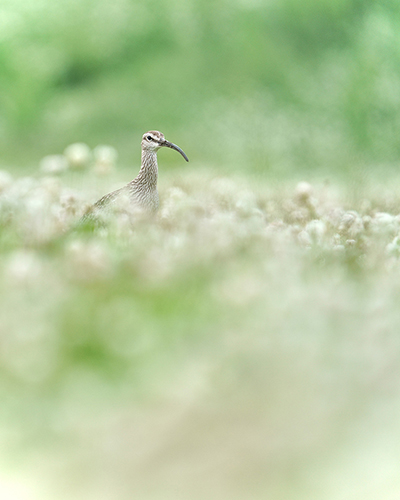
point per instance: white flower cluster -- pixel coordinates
(37, 210)
(200, 220)
(79, 156)
(228, 212)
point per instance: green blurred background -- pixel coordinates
(278, 88)
(211, 354)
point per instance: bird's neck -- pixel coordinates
(149, 169)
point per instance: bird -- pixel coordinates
(139, 195)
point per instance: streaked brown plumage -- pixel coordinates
(141, 193)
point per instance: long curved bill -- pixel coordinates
(177, 148)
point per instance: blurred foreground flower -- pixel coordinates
(89, 261)
(23, 266)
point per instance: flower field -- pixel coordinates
(242, 344)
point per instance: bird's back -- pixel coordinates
(135, 198)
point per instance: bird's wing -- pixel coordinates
(93, 213)
(108, 198)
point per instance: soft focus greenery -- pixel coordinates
(243, 344)
(272, 87)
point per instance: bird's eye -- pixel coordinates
(149, 138)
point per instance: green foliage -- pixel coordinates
(239, 317)
(304, 85)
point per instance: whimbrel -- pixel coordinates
(140, 194)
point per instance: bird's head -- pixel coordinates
(154, 140)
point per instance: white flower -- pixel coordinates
(78, 155)
(23, 266)
(316, 229)
(303, 191)
(383, 218)
(21, 188)
(246, 203)
(5, 180)
(384, 222)
(225, 190)
(90, 261)
(351, 223)
(105, 158)
(338, 248)
(304, 239)
(53, 164)
(51, 187)
(393, 248)
(176, 194)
